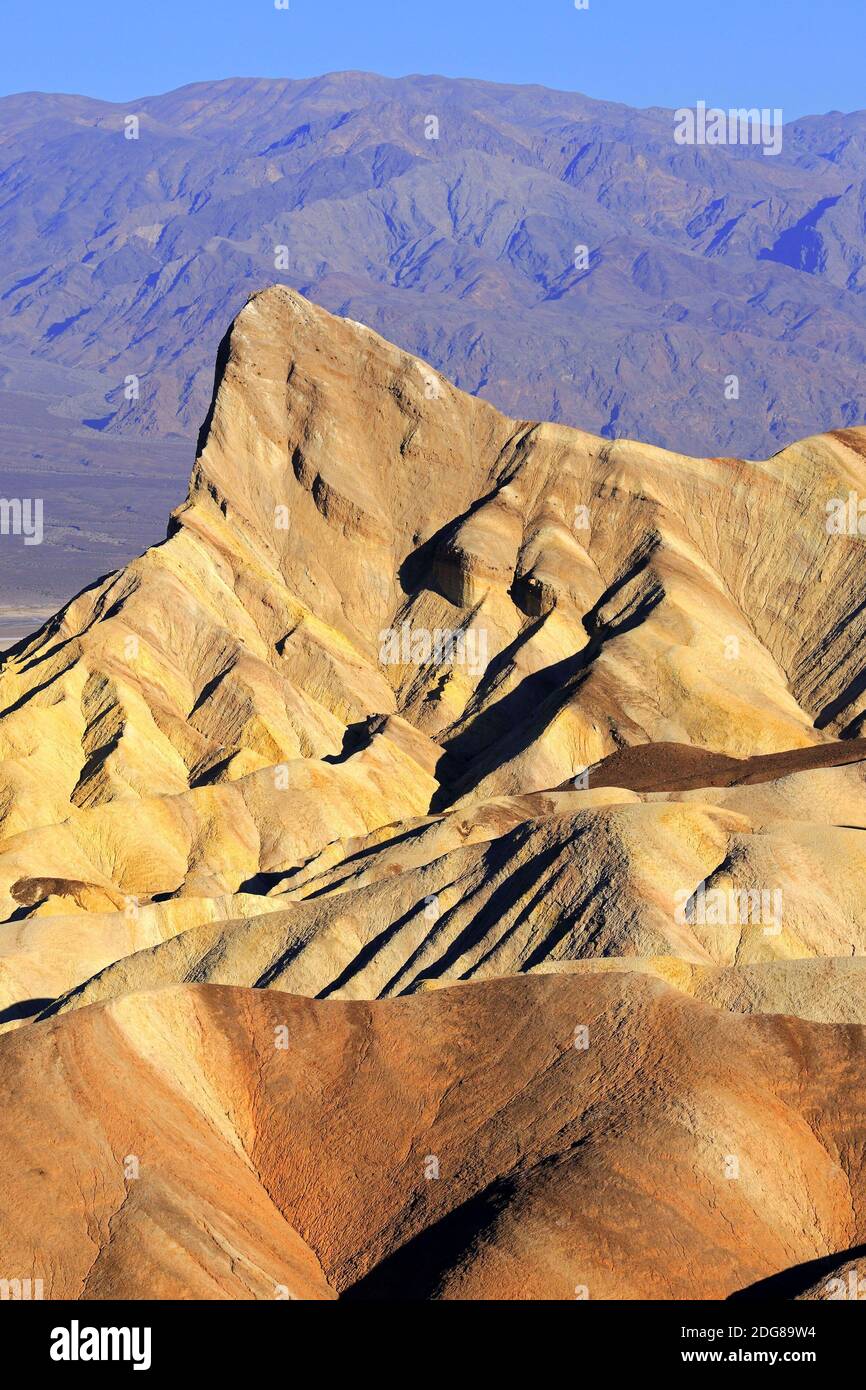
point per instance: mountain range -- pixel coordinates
(561, 257)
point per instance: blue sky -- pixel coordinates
(804, 56)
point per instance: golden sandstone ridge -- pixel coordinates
(438, 868)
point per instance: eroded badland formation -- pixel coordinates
(342, 959)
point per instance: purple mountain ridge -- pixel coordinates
(125, 260)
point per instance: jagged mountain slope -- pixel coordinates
(534, 761)
(125, 258)
(476, 227)
(193, 748)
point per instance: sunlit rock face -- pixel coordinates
(480, 787)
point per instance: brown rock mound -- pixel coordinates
(227, 1143)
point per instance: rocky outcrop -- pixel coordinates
(412, 696)
(546, 1138)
